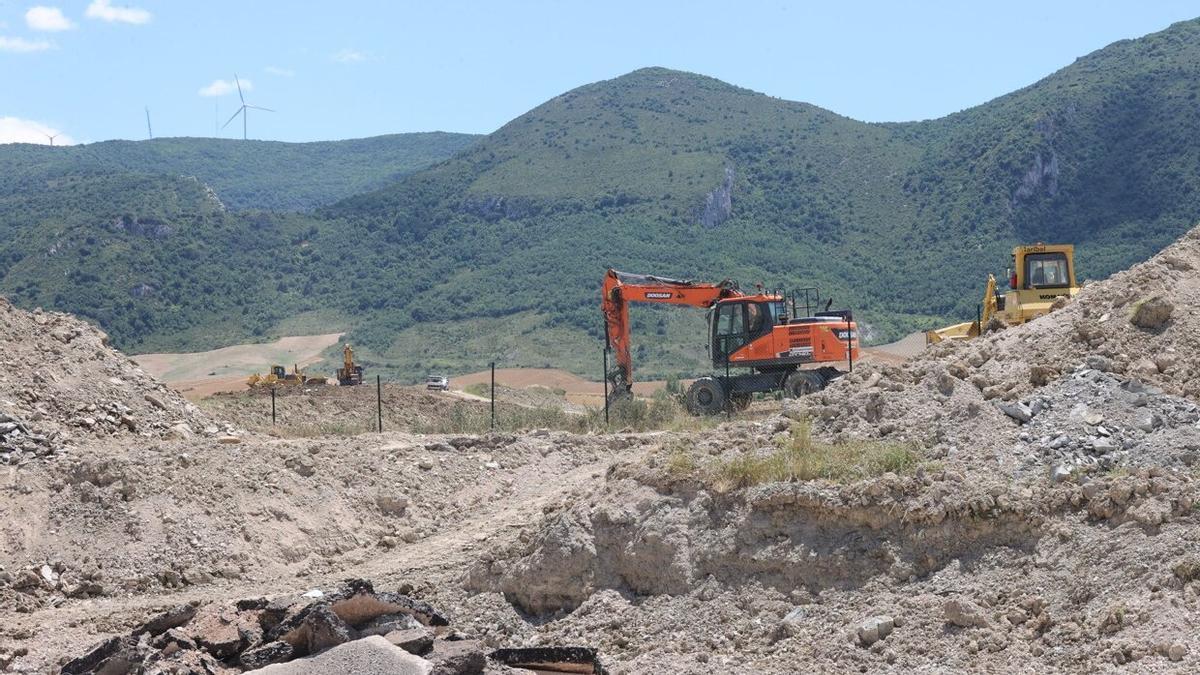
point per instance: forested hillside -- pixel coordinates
(244, 174)
(498, 251)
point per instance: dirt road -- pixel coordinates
(200, 374)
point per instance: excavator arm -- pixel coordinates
(621, 289)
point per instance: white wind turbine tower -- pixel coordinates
(243, 110)
(52, 138)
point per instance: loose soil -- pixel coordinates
(1044, 517)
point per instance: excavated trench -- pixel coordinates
(640, 541)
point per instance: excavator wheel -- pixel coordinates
(706, 396)
(802, 382)
(741, 401)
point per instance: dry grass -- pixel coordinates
(804, 458)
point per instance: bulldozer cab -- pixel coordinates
(279, 371)
(1040, 275)
(1043, 267)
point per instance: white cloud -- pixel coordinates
(223, 87)
(23, 46)
(349, 56)
(103, 10)
(48, 19)
(282, 72)
(17, 130)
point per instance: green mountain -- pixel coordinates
(244, 174)
(497, 252)
(659, 171)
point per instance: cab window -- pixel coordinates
(731, 328)
(1046, 270)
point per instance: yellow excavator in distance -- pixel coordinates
(1040, 275)
(350, 373)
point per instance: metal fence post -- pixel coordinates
(379, 402)
(728, 395)
(272, 406)
(849, 344)
(605, 378)
(493, 395)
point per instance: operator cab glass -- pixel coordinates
(1046, 270)
(738, 323)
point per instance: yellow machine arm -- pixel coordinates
(969, 329)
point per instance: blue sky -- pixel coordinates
(87, 68)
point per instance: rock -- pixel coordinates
(326, 629)
(1101, 363)
(115, 655)
(457, 657)
(388, 623)
(369, 656)
(178, 432)
(1177, 651)
(224, 634)
(875, 629)
(1040, 376)
(417, 640)
(963, 613)
(172, 618)
(1016, 410)
(1148, 422)
(1060, 473)
(1093, 418)
(229, 440)
(155, 401)
(945, 383)
(175, 637)
(425, 463)
(550, 659)
(392, 505)
(264, 655)
(1164, 362)
(1152, 313)
(1144, 367)
(792, 622)
(1103, 446)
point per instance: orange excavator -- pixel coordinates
(760, 331)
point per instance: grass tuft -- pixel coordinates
(804, 459)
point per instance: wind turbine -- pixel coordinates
(149, 131)
(243, 110)
(52, 138)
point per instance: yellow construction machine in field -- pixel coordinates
(279, 377)
(1039, 276)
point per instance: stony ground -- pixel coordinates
(1044, 517)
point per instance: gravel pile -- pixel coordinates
(63, 386)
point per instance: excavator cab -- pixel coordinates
(735, 323)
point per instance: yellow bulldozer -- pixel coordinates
(1039, 276)
(280, 377)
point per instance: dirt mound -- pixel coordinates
(935, 569)
(1142, 323)
(1133, 337)
(63, 386)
